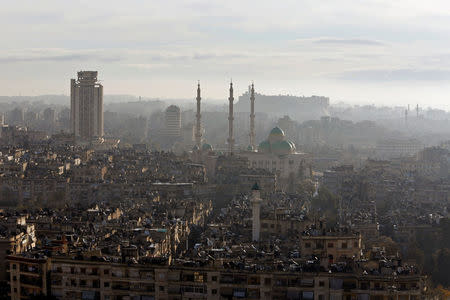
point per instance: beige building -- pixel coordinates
(86, 106)
(27, 277)
(278, 155)
(96, 279)
(331, 248)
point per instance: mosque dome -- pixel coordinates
(207, 147)
(276, 135)
(292, 145)
(277, 143)
(282, 148)
(264, 146)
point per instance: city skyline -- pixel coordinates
(376, 52)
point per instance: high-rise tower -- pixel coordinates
(252, 117)
(198, 133)
(86, 105)
(255, 200)
(230, 121)
(173, 121)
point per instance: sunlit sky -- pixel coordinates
(372, 51)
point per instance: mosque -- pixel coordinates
(276, 154)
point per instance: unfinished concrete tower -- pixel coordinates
(86, 106)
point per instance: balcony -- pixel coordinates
(37, 282)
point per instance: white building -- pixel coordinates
(173, 121)
(395, 148)
(278, 155)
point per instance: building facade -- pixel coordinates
(95, 279)
(86, 106)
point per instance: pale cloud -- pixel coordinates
(327, 43)
(388, 75)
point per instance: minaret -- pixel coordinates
(252, 117)
(256, 201)
(230, 121)
(198, 125)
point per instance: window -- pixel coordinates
(198, 277)
(15, 290)
(344, 245)
(106, 272)
(355, 245)
(95, 283)
(321, 297)
(83, 270)
(330, 245)
(161, 288)
(106, 284)
(214, 291)
(267, 281)
(307, 245)
(14, 266)
(214, 278)
(14, 278)
(321, 283)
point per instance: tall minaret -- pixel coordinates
(198, 125)
(256, 201)
(230, 121)
(252, 117)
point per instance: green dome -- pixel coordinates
(276, 135)
(283, 147)
(277, 131)
(264, 146)
(250, 148)
(207, 147)
(195, 148)
(292, 145)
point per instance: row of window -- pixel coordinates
(344, 245)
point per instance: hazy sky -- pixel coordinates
(371, 51)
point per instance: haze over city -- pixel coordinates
(224, 150)
(371, 52)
